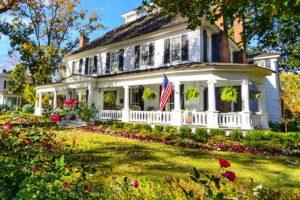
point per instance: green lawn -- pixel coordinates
(114, 156)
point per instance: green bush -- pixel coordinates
(171, 130)
(256, 135)
(201, 135)
(129, 127)
(215, 132)
(138, 127)
(104, 123)
(158, 130)
(236, 135)
(119, 125)
(146, 129)
(185, 132)
(87, 112)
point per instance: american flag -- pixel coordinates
(167, 88)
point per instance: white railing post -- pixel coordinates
(126, 110)
(177, 112)
(212, 113)
(246, 114)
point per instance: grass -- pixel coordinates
(113, 156)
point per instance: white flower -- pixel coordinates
(259, 187)
(255, 194)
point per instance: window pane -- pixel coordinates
(145, 54)
(175, 48)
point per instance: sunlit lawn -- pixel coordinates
(114, 156)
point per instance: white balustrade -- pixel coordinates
(155, 117)
(230, 120)
(195, 118)
(258, 120)
(110, 115)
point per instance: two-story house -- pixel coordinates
(135, 55)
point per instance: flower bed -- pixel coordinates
(263, 142)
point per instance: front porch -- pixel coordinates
(207, 110)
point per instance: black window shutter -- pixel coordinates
(205, 99)
(205, 46)
(95, 65)
(167, 51)
(218, 97)
(121, 60)
(80, 65)
(182, 96)
(137, 57)
(86, 96)
(107, 71)
(151, 54)
(73, 67)
(238, 105)
(141, 102)
(185, 48)
(215, 43)
(86, 66)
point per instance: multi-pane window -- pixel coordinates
(114, 62)
(80, 66)
(147, 54)
(268, 63)
(176, 48)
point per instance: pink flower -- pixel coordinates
(28, 141)
(55, 117)
(66, 185)
(70, 102)
(7, 126)
(46, 144)
(229, 175)
(224, 163)
(135, 183)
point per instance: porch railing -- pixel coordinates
(155, 117)
(195, 118)
(110, 115)
(230, 120)
(258, 120)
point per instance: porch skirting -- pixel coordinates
(238, 120)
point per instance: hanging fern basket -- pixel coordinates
(191, 94)
(255, 94)
(148, 94)
(110, 98)
(229, 94)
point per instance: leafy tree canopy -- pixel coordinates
(43, 33)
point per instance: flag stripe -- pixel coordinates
(166, 92)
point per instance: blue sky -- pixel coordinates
(110, 11)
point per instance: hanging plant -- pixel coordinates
(148, 94)
(191, 93)
(229, 94)
(255, 94)
(110, 98)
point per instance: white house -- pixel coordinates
(5, 97)
(135, 55)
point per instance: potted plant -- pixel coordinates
(255, 94)
(69, 110)
(191, 93)
(229, 94)
(87, 112)
(148, 94)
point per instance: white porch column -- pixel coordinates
(126, 110)
(177, 113)
(91, 93)
(38, 105)
(246, 114)
(54, 99)
(212, 113)
(262, 106)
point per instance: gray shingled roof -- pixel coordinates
(133, 29)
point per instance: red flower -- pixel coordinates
(7, 126)
(224, 163)
(34, 169)
(46, 144)
(74, 142)
(28, 141)
(90, 188)
(55, 117)
(135, 183)
(230, 175)
(66, 185)
(70, 102)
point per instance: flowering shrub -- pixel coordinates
(70, 102)
(55, 117)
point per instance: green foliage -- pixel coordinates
(30, 94)
(171, 130)
(119, 125)
(17, 80)
(158, 130)
(191, 93)
(236, 135)
(148, 94)
(201, 135)
(110, 97)
(185, 132)
(215, 132)
(28, 108)
(129, 127)
(229, 94)
(87, 112)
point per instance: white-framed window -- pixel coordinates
(176, 48)
(114, 62)
(147, 54)
(135, 97)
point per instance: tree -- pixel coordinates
(6, 5)
(30, 94)
(17, 79)
(261, 19)
(43, 33)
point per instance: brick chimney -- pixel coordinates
(83, 40)
(238, 30)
